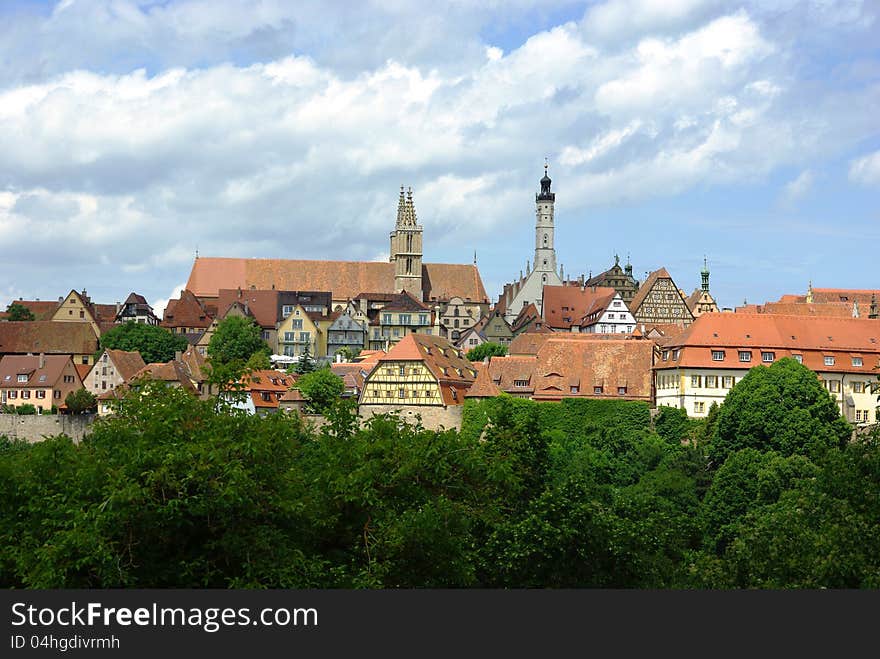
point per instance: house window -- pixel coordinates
(857, 361)
(22, 377)
(305, 337)
(799, 358)
(14, 394)
(699, 407)
(265, 335)
(745, 355)
(768, 356)
(405, 319)
(41, 393)
(85, 360)
(717, 355)
(26, 393)
(834, 386)
(859, 417)
(858, 387)
(454, 394)
(472, 342)
(402, 371)
(56, 394)
(829, 361)
(520, 383)
(82, 314)
(665, 355)
(696, 381)
(296, 324)
(575, 389)
(386, 318)
(621, 391)
(423, 319)
(675, 355)
(289, 337)
(711, 381)
(103, 384)
(286, 310)
(597, 390)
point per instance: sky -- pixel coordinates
(137, 133)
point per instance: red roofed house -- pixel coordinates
(111, 369)
(421, 371)
(41, 380)
(588, 309)
(701, 365)
(77, 340)
(263, 390)
(566, 367)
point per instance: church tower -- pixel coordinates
(545, 252)
(704, 273)
(406, 248)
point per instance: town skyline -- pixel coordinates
(674, 131)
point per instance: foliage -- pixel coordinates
(305, 363)
(782, 408)
(80, 401)
(26, 409)
(348, 353)
(487, 349)
(236, 339)
(156, 344)
(321, 388)
(18, 311)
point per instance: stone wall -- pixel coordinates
(432, 417)
(34, 428)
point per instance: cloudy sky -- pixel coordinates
(135, 132)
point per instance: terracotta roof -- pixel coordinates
(42, 309)
(862, 296)
(827, 309)
(528, 343)
(344, 278)
(134, 298)
(195, 363)
(446, 362)
(645, 288)
(528, 315)
(13, 365)
(267, 380)
(173, 371)
(565, 306)
(567, 367)
(813, 339)
(292, 395)
(82, 370)
(48, 337)
(261, 305)
(104, 312)
(127, 363)
(352, 374)
(186, 311)
(483, 386)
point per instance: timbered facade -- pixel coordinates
(659, 301)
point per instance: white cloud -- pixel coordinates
(797, 188)
(866, 170)
(160, 304)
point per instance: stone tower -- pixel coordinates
(545, 252)
(406, 248)
(704, 273)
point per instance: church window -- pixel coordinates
(545, 240)
(456, 322)
(545, 263)
(409, 266)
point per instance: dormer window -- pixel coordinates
(22, 377)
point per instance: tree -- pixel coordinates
(484, 350)
(305, 363)
(18, 311)
(156, 344)
(81, 400)
(236, 339)
(321, 388)
(782, 408)
(348, 353)
(26, 409)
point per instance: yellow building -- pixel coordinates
(419, 370)
(297, 331)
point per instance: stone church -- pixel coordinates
(529, 288)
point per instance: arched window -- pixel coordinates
(409, 266)
(456, 322)
(455, 311)
(409, 242)
(544, 277)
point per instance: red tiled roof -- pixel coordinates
(528, 343)
(565, 306)
(127, 362)
(186, 311)
(82, 370)
(42, 309)
(862, 296)
(344, 278)
(47, 336)
(262, 305)
(13, 365)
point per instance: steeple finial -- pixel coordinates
(475, 257)
(704, 273)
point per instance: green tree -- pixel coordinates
(484, 350)
(782, 408)
(80, 401)
(26, 409)
(322, 388)
(305, 363)
(348, 353)
(236, 339)
(18, 311)
(156, 344)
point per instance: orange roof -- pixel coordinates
(828, 309)
(862, 296)
(47, 336)
(645, 287)
(483, 386)
(42, 309)
(565, 306)
(813, 338)
(528, 343)
(344, 278)
(267, 380)
(82, 370)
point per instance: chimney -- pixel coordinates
(42, 360)
(118, 307)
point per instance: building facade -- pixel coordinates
(659, 301)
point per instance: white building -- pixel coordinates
(586, 309)
(702, 365)
(529, 289)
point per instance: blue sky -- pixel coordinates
(133, 133)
